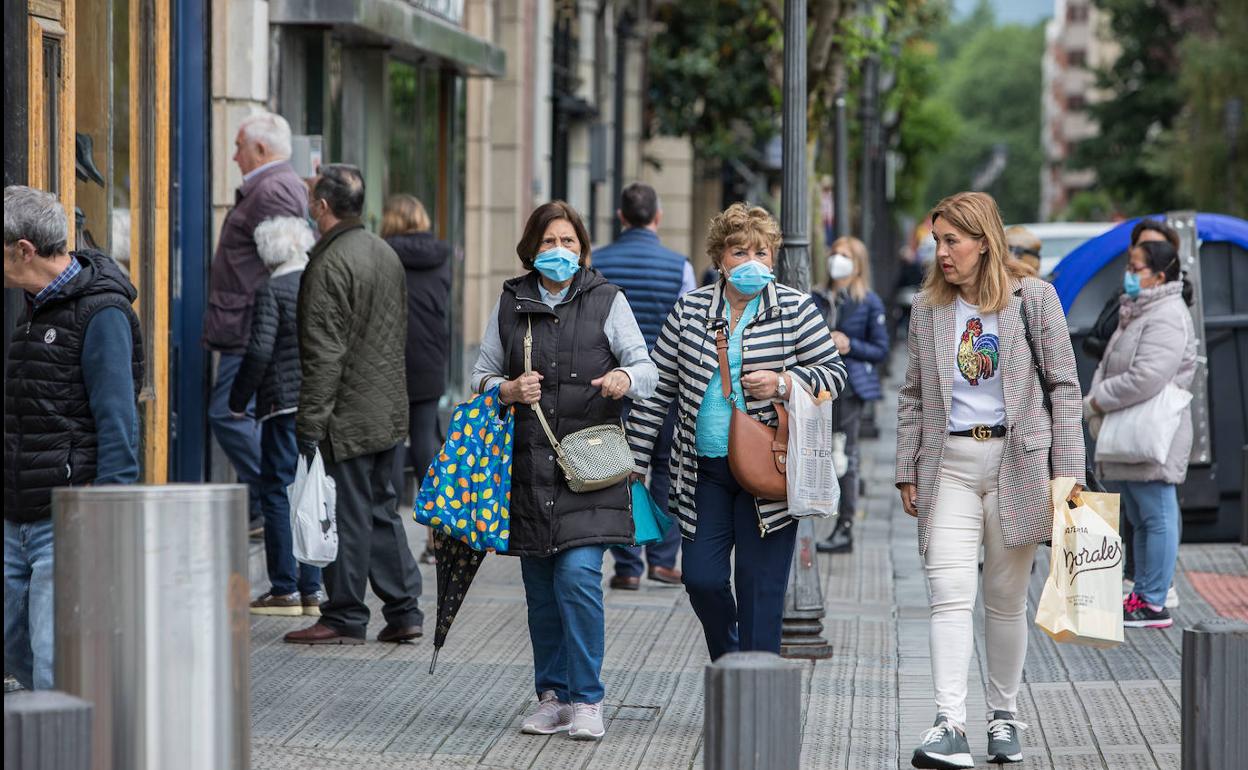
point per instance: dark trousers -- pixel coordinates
(423, 444)
(279, 457)
(849, 421)
(239, 439)
(727, 519)
(663, 553)
(372, 548)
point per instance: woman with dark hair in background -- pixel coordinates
(1155, 345)
(426, 262)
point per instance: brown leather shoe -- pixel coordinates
(400, 633)
(664, 575)
(319, 634)
(626, 583)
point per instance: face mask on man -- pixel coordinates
(558, 264)
(750, 278)
(840, 267)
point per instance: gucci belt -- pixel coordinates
(982, 432)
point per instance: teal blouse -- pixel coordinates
(715, 413)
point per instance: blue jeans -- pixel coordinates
(663, 553)
(727, 519)
(28, 615)
(1152, 507)
(566, 622)
(279, 457)
(239, 439)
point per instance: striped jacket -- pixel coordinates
(787, 333)
(1039, 446)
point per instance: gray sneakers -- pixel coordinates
(587, 722)
(943, 746)
(1003, 743)
(550, 717)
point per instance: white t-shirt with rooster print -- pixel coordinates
(978, 397)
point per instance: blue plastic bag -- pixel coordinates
(649, 523)
(466, 493)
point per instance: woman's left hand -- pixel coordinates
(841, 341)
(762, 385)
(614, 384)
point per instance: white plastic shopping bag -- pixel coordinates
(1143, 432)
(811, 472)
(1082, 598)
(313, 497)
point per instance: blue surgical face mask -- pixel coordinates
(750, 278)
(1131, 285)
(558, 264)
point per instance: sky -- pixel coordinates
(1010, 11)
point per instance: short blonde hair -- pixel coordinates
(404, 214)
(856, 250)
(741, 225)
(976, 215)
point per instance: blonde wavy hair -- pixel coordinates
(856, 250)
(976, 215)
(741, 225)
(404, 214)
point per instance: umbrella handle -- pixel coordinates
(434, 662)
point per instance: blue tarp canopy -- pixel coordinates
(1078, 267)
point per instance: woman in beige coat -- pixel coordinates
(1155, 345)
(976, 450)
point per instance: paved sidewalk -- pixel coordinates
(376, 706)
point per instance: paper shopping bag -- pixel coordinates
(1082, 598)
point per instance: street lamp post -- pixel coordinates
(802, 636)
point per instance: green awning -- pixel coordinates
(396, 23)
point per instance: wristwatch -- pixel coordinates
(782, 389)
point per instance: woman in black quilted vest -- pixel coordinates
(587, 355)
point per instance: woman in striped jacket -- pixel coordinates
(777, 340)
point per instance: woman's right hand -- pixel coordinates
(909, 499)
(525, 389)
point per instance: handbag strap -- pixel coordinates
(537, 405)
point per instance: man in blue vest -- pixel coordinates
(653, 278)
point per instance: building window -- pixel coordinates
(1077, 58)
(1076, 13)
(1076, 102)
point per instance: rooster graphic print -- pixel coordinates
(978, 353)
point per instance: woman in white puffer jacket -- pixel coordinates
(1155, 345)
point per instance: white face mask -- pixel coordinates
(840, 267)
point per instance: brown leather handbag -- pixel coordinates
(757, 454)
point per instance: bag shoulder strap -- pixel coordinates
(537, 405)
(1036, 360)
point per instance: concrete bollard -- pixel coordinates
(752, 713)
(1215, 695)
(46, 730)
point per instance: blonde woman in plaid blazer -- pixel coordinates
(976, 449)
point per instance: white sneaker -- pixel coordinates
(550, 717)
(1172, 598)
(587, 722)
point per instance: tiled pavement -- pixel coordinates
(376, 706)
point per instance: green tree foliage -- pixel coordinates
(989, 78)
(1130, 154)
(926, 125)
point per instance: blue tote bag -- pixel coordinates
(466, 492)
(649, 523)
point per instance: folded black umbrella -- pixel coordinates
(457, 565)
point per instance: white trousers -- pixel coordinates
(964, 515)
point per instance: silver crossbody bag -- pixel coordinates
(596, 457)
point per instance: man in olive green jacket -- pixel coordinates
(353, 407)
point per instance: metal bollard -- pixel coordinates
(1215, 695)
(752, 718)
(152, 623)
(46, 730)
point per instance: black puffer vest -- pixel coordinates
(49, 433)
(570, 348)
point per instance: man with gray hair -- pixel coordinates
(270, 188)
(70, 409)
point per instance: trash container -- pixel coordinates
(152, 622)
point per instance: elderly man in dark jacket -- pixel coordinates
(353, 406)
(270, 188)
(70, 409)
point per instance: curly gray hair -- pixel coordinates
(282, 239)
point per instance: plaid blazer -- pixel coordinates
(787, 333)
(1039, 445)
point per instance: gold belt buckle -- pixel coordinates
(981, 432)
